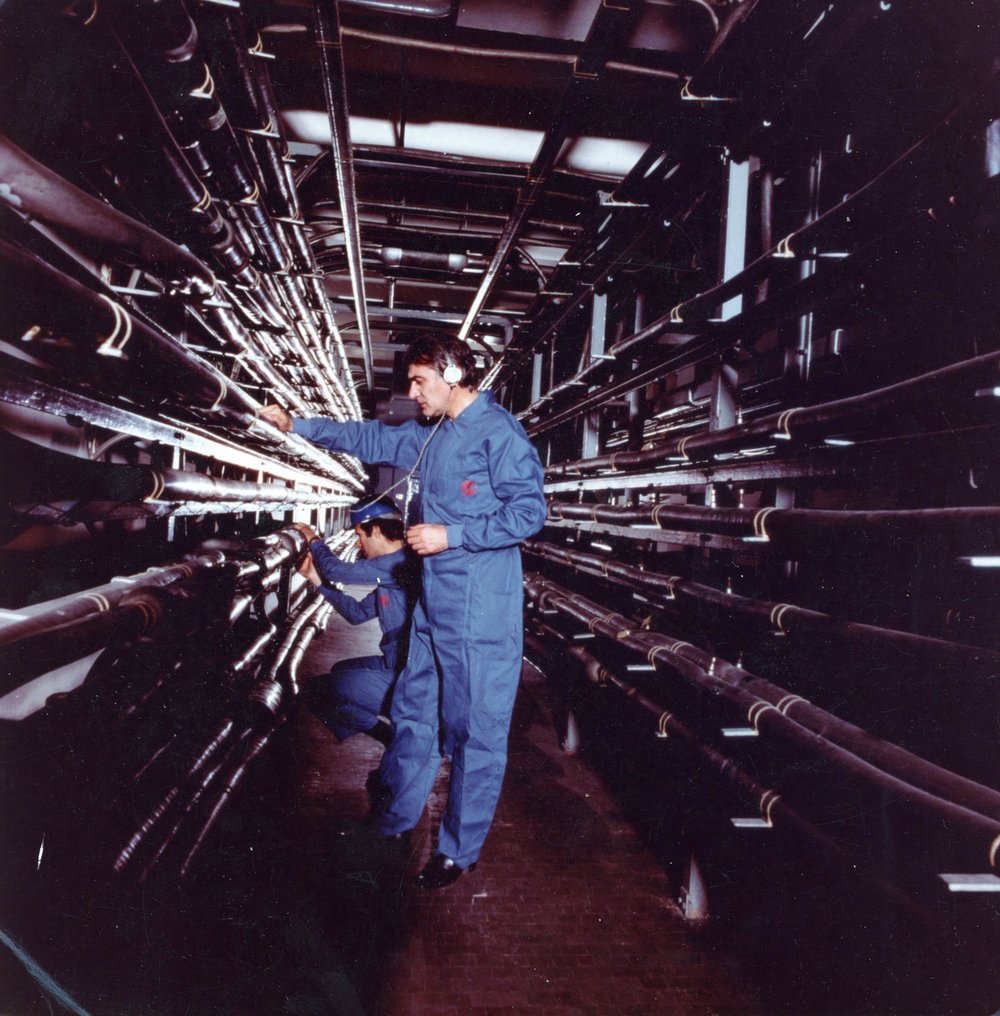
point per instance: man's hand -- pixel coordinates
(308, 569)
(280, 417)
(307, 531)
(427, 539)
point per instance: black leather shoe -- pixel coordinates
(440, 872)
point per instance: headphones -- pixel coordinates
(452, 373)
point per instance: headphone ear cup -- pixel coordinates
(452, 374)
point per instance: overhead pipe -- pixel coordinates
(328, 39)
(937, 399)
(495, 53)
(894, 193)
(607, 31)
(35, 190)
(907, 802)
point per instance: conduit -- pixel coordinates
(607, 31)
(774, 808)
(979, 664)
(794, 527)
(34, 190)
(939, 399)
(975, 835)
(331, 62)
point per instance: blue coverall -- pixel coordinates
(353, 696)
(482, 479)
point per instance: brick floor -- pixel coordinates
(567, 913)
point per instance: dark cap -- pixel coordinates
(365, 510)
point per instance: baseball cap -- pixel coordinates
(363, 511)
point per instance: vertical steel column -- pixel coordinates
(798, 356)
(722, 400)
(536, 378)
(595, 350)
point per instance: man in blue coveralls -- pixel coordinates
(354, 696)
(481, 490)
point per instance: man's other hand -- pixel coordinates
(280, 417)
(308, 569)
(427, 539)
(307, 531)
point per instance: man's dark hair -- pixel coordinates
(436, 350)
(390, 527)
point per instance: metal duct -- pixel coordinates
(35, 190)
(396, 257)
(331, 60)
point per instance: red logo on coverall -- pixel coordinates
(384, 597)
(468, 487)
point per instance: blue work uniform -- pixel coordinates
(356, 691)
(482, 479)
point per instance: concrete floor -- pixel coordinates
(567, 912)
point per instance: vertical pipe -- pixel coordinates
(331, 61)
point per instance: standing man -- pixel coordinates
(353, 698)
(481, 494)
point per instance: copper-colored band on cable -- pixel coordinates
(675, 314)
(767, 802)
(759, 519)
(683, 445)
(93, 14)
(251, 199)
(206, 200)
(777, 613)
(102, 602)
(787, 702)
(593, 513)
(223, 392)
(994, 847)
(206, 89)
(158, 484)
(784, 420)
(661, 727)
(657, 508)
(614, 455)
(756, 711)
(784, 248)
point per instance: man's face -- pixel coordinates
(428, 389)
(363, 539)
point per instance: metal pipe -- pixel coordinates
(494, 53)
(39, 298)
(969, 665)
(976, 833)
(606, 32)
(773, 807)
(789, 527)
(941, 398)
(37, 191)
(327, 17)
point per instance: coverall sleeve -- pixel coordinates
(516, 477)
(371, 441)
(333, 569)
(354, 611)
